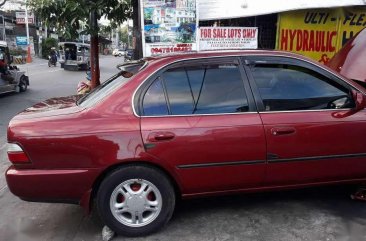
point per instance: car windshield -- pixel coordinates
(110, 85)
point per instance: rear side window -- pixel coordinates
(203, 89)
(154, 101)
(289, 87)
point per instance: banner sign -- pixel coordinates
(214, 38)
(319, 33)
(20, 18)
(169, 26)
(21, 40)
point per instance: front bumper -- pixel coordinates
(68, 186)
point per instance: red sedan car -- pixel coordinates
(190, 125)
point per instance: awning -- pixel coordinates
(226, 9)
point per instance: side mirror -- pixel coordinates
(360, 104)
(360, 100)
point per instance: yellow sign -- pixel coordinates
(319, 33)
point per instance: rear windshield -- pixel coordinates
(128, 70)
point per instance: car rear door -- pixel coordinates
(198, 117)
(307, 142)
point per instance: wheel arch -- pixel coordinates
(110, 169)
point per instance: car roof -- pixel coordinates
(74, 43)
(172, 57)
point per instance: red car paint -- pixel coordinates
(71, 148)
(350, 60)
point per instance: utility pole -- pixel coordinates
(136, 5)
(29, 58)
(117, 38)
(82, 29)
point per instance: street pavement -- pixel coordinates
(323, 214)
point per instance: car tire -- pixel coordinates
(136, 200)
(119, 55)
(23, 84)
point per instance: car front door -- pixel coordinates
(199, 119)
(308, 141)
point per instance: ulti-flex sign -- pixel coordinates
(319, 33)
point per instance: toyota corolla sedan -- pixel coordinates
(190, 125)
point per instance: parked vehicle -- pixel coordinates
(190, 125)
(11, 78)
(129, 54)
(350, 60)
(118, 52)
(74, 56)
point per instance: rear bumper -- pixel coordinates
(68, 186)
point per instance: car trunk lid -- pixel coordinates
(52, 107)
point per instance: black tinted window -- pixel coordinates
(179, 91)
(286, 87)
(154, 101)
(222, 91)
(206, 89)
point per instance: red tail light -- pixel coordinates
(16, 154)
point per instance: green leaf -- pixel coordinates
(66, 14)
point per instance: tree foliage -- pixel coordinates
(67, 15)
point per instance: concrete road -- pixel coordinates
(312, 214)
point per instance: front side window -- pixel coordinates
(285, 87)
(202, 89)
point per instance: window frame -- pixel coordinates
(140, 93)
(250, 61)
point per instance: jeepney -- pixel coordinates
(11, 78)
(74, 55)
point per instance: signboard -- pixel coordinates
(169, 26)
(319, 33)
(21, 40)
(20, 18)
(213, 38)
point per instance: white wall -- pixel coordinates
(225, 9)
